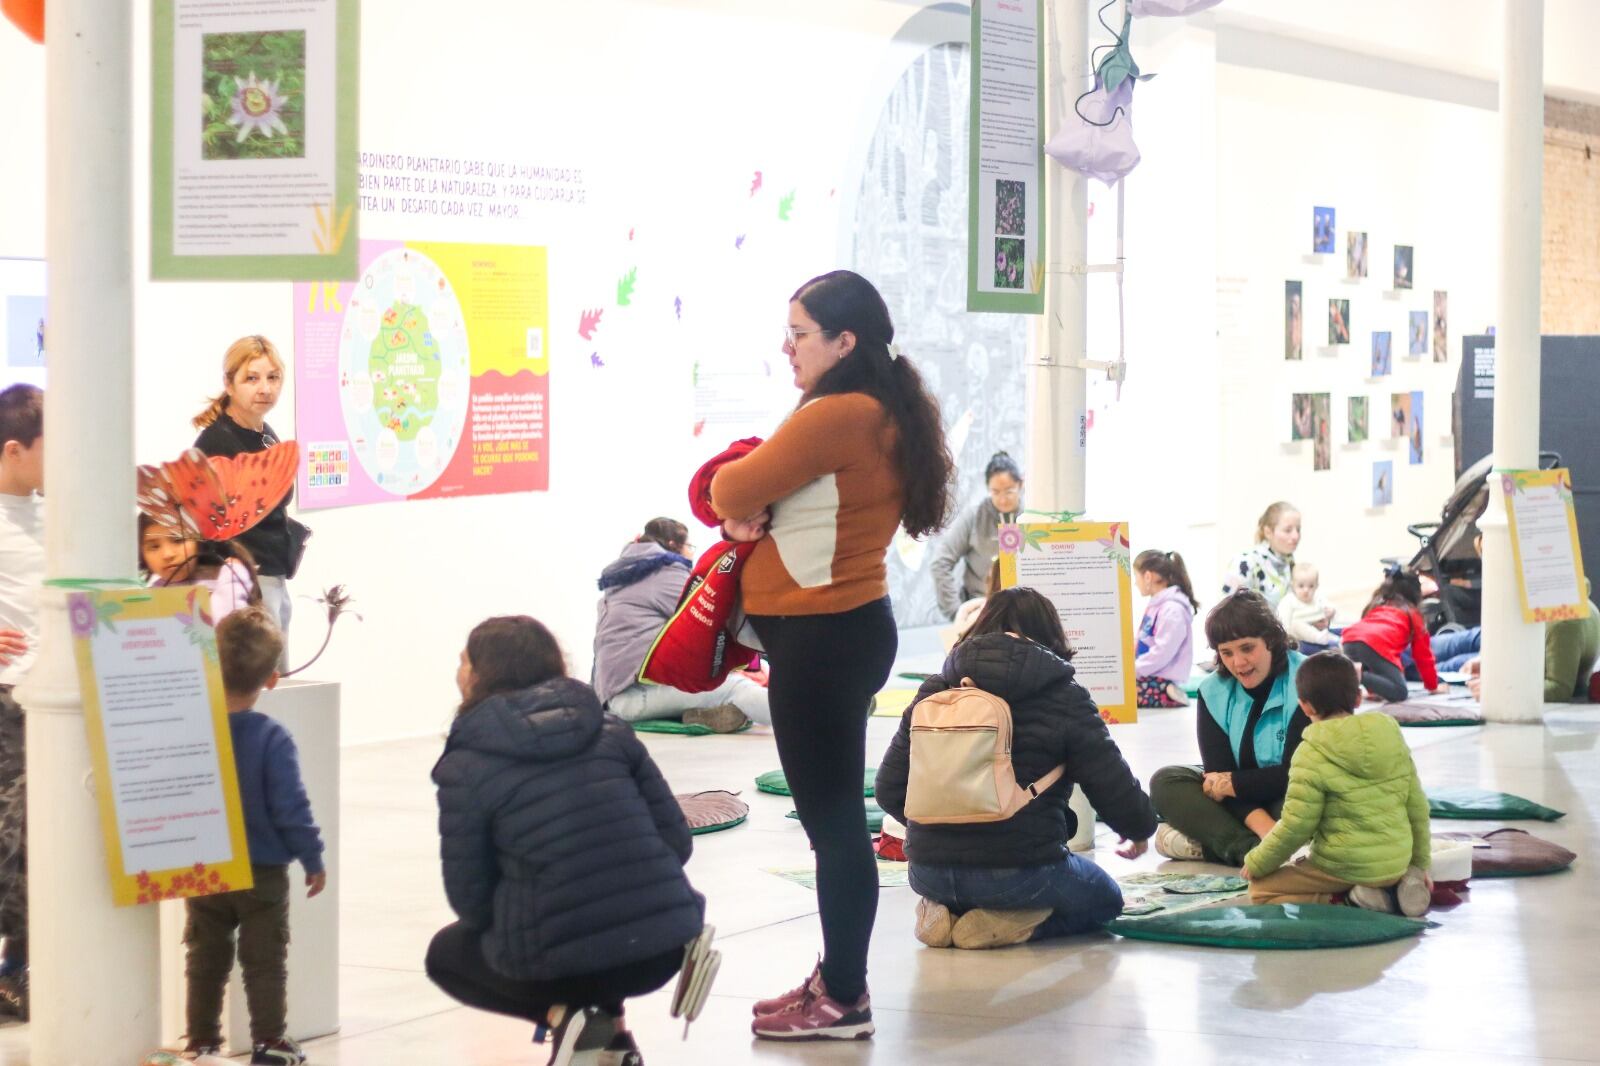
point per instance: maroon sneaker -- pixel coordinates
(818, 1016)
(791, 997)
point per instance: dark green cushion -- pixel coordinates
(672, 725)
(1479, 804)
(1273, 925)
(873, 811)
(774, 782)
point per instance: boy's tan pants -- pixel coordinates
(1297, 882)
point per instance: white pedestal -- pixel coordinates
(310, 711)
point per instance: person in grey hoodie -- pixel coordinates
(639, 594)
(967, 548)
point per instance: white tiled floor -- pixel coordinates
(1510, 976)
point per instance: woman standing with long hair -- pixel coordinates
(235, 423)
(862, 454)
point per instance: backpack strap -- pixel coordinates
(1043, 784)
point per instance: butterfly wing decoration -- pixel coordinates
(218, 498)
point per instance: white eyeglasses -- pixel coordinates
(791, 336)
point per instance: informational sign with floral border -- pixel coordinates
(1085, 569)
(1544, 543)
(160, 743)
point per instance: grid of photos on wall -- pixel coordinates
(1421, 330)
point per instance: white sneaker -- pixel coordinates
(1372, 898)
(1174, 845)
(1412, 893)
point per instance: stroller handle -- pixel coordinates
(1423, 531)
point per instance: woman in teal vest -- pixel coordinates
(1249, 723)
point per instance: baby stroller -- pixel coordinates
(1447, 553)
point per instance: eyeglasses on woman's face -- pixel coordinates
(791, 336)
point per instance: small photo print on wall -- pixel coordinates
(1414, 429)
(1419, 333)
(1293, 321)
(1382, 353)
(1338, 321)
(25, 330)
(1357, 420)
(1399, 414)
(1010, 207)
(1402, 266)
(252, 95)
(1009, 260)
(1302, 416)
(1441, 327)
(1322, 229)
(1322, 433)
(1355, 257)
(1383, 483)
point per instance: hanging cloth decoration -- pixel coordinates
(1168, 8)
(1100, 145)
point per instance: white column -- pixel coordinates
(95, 993)
(1513, 650)
(1057, 391)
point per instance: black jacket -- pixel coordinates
(559, 837)
(274, 542)
(1053, 721)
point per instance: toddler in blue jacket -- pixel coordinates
(280, 830)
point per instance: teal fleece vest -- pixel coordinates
(1228, 703)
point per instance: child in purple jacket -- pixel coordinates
(1166, 635)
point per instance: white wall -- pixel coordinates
(1405, 170)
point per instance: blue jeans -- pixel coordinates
(1082, 895)
(1451, 651)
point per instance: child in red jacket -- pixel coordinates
(1392, 620)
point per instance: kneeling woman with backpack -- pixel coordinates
(986, 834)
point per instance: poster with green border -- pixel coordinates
(253, 146)
(1005, 159)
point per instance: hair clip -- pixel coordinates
(894, 351)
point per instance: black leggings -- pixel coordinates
(825, 669)
(1379, 676)
(456, 964)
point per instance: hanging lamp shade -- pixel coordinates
(27, 16)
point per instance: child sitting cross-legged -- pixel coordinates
(1354, 794)
(280, 830)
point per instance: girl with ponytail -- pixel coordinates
(1166, 636)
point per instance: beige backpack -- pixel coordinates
(961, 770)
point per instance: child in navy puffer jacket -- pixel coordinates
(563, 850)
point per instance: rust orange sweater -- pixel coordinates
(828, 476)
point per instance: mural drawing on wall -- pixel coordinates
(912, 210)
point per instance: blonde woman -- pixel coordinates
(235, 423)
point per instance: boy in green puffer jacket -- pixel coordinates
(1354, 794)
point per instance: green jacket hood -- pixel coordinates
(1368, 746)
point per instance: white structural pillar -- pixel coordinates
(95, 992)
(1057, 388)
(1513, 650)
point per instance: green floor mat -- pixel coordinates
(1485, 806)
(890, 874)
(913, 675)
(672, 725)
(1271, 926)
(1149, 892)
(774, 782)
(874, 815)
(1427, 711)
(1191, 687)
